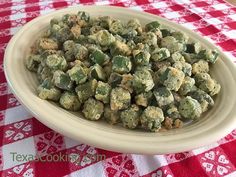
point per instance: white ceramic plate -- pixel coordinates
(216, 123)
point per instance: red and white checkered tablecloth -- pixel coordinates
(22, 137)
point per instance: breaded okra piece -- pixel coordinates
(193, 47)
(203, 98)
(47, 91)
(103, 38)
(160, 54)
(149, 38)
(142, 58)
(130, 117)
(187, 85)
(201, 66)
(62, 80)
(78, 74)
(80, 52)
(183, 66)
(47, 44)
(32, 62)
(102, 92)
(151, 118)
(97, 72)
(179, 36)
(152, 26)
(111, 116)
(121, 64)
(172, 112)
(70, 101)
(119, 99)
(172, 78)
(142, 81)
(208, 55)
(116, 27)
(97, 56)
(120, 48)
(163, 96)
(93, 109)
(190, 108)
(56, 62)
(144, 99)
(86, 90)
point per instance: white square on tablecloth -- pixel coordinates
(16, 114)
(94, 170)
(220, 6)
(213, 21)
(189, 25)
(147, 163)
(233, 16)
(18, 16)
(197, 10)
(170, 15)
(159, 4)
(183, 1)
(23, 147)
(230, 34)
(70, 142)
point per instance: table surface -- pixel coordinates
(24, 138)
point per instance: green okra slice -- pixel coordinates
(97, 56)
(203, 98)
(134, 24)
(63, 34)
(70, 101)
(151, 118)
(193, 47)
(69, 19)
(103, 91)
(112, 117)
(119, 99)
(183, 66)
(142, 81)
(187, 85)
(80, 52)
(179, 36)
(165, 32)
(176, 57)
(93, 109)
(172, 78)
(116, 27)
(115, 79)
(84, 16)
(149, 38)
(144, 99)
(208, 55)
(200, 66)
(56, 62)
(120, 48)
(130, 117)
(62, 80)
(190, 108)
(47, 91)
(97, 72)
(78, 74)
(142, 58)
(86, 90)
(121, 64)
(172, 112)
(103, 38)
(152, 25)
(32, 62)
(43, 73)
(163, 96)
(160, 54)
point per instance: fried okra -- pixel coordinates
(130, 117)
(120, 99)
(70, 101)
(151, 118)
(190, 108)
(93, 109)
(142, 76)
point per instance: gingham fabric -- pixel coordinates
(23, 138)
